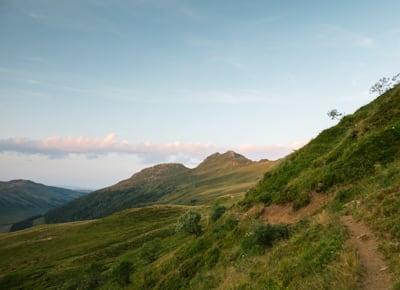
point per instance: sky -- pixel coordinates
(92, 91)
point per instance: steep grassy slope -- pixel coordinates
(359, 147)
(221, 176)
(20, 199)
(357, 163)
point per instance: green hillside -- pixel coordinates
(20, 199)
(349, 241)
(71, 248)
(360, 148)
(220, 177)
(356, 164)
(82, 255)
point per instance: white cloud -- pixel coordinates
(189, 153)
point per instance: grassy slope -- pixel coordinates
(55, 255)
(225, 177)
(20, 199)
(359, 147)
(223, 186)
(358, 163)
(60, 256)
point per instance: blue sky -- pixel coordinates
(92, 91)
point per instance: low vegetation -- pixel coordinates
(189, 223)
(218, 211)
(263, 236)
(121, 273)
(144, 252)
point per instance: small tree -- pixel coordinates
(121, 273)
(384, 84)
(334, 114)
(189, 223)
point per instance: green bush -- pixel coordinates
(262, 236)
(121, 273)
(218, 211)
(189, 223)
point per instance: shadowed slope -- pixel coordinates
(20, 199)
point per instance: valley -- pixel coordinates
(22, 199)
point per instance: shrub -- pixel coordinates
(189, 223)
(262, 236)
(121, 273)
(218, 211)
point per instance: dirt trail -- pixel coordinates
(284, 214)
(376, 274)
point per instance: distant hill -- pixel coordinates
(223, 177)
(21, 199)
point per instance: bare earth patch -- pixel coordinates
(376, 273)
(284, 213)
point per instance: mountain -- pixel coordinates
(219, 162)
(219, 177)
(20, 199)
(325, 217)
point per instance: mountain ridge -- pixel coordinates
(21, 199)
(167, 183)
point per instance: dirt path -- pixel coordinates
(284, 213)
(376, 274)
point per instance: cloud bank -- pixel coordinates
(62, 147)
